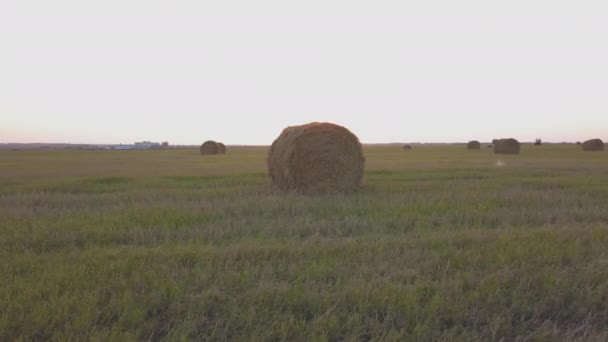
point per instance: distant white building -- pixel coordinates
(122, 147)
(139, 145)
(146, 145)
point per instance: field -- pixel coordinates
(440, 244)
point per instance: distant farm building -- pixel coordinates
(146, 145)
(140, 145)
(122, 147)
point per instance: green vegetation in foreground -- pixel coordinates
(441, 244)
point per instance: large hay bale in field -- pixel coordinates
(316, 158)
(221, 147)
(593, 145)
(473, 145)
(506, 146)
(210, 147)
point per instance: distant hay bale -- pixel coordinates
(490, 146)
(222, 148)
(473, 145)
(316, 158)
(593, 145)
(578, 143)
(407, 147)
(506, 146)
(210, 147)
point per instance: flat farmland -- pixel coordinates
(440, 243)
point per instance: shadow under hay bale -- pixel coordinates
(593, 145)
(473, 145)
(316, 158)
(209, 147)
(506, 146)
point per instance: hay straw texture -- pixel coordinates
(222, 148)
(506, 146)
(593, 145)
(316, 158)
(210, 147)
(473, 145)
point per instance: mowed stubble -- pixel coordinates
(440, 243)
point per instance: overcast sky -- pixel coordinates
(119, 71)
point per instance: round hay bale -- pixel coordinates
(316, 158)
(473, 145)
(506, 146)
(407, 147)
(578, 143)
(593, 145)
(222, 148)
(210, 147)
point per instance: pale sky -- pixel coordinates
(119, 71)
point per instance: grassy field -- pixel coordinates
(440, 244)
